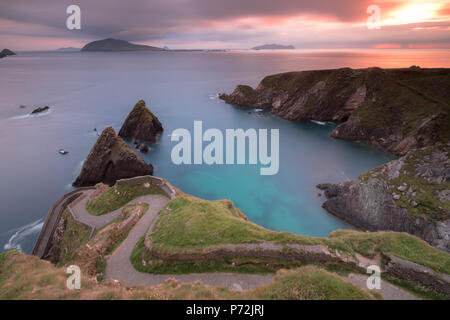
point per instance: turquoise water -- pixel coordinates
(95, 90)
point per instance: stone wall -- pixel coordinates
(43, 241)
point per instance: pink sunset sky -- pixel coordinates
(233, 24)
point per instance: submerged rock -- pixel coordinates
(111, 159)
(40, 110)
(141, 124)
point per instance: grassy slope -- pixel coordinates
(189, 223)
(119, 195)
(402, 97)
(27, 277)
(75, 235)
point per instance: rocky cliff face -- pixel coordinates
(410, 194)
(141, 124)
(111, 159)
(396, 109)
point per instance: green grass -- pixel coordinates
(109, 238)
(191, 224)
(188, 222)
(247, 91)
(397, 98)
(118, 196)
(75, 236)
(140, 113)
(310, 283)
(27, 277)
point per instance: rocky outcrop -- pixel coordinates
(409, 194)
(109, 160)
(395, 109)
(6, 52)
(117, 45)
(141, 124)
(40, 110)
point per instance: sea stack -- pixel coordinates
(109, 160)
(141, 124)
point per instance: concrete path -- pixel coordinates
(79, 211)
(119, 266)
(387, 290)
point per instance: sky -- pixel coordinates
(227, 24)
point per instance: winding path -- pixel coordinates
(119, 266)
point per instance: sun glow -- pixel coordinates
(413, 14)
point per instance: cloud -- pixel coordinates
(228, 23)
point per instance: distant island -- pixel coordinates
(6, 52)
(117, 45)
(273, 46)
(68, 49)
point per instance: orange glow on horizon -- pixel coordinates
(414, 13)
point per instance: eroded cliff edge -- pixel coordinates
(405, 111)
(410, 194)
(395, 109)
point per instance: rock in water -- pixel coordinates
(40, 109)
(6, 52)
(111, 159)
(141, 124)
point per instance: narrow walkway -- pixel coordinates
(80, 213)
(119, 266)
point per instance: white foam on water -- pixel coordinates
(319, 122)
(20, 234)
(258, 110)
(213, 96)
(31, 116)
(76, 171)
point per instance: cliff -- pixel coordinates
(141, 124)
(111, 159)
(117, 45)
(410, 194)
(395, 109)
